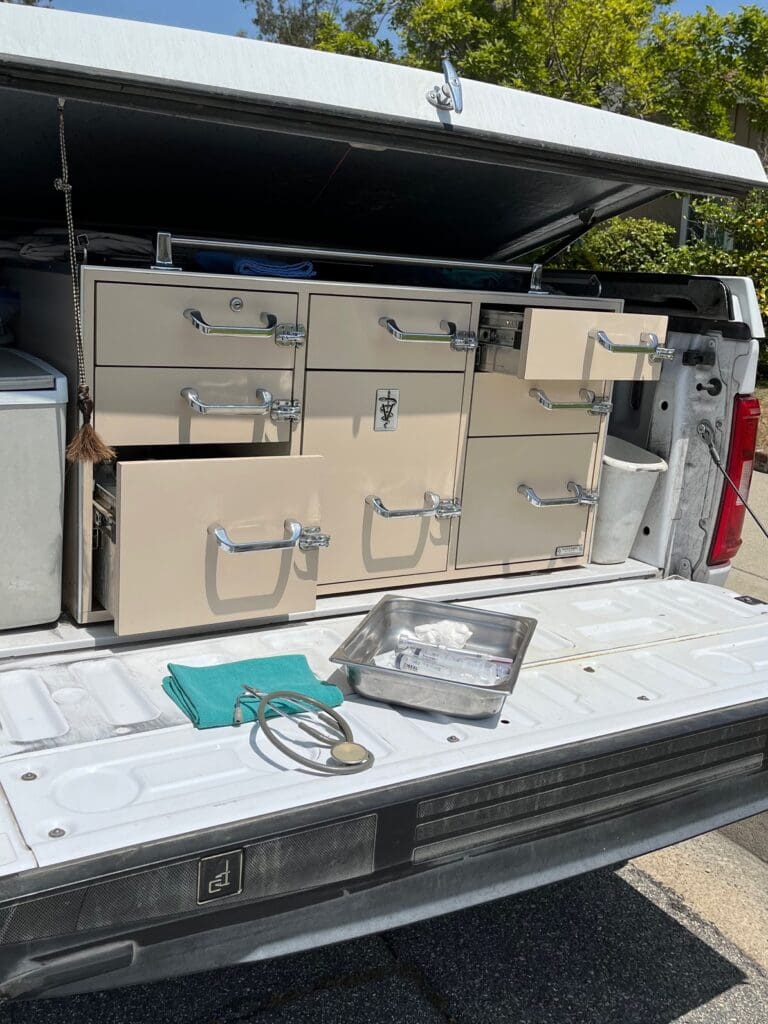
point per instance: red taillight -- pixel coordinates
(741, 456)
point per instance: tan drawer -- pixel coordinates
(498, 525)
(172, 573)
(396, 465)
(561, 344)
(144, 325)
(504, 405)
(138, 405)
(346, 333)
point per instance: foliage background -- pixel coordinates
(634, 57)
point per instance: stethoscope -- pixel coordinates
(347, 755)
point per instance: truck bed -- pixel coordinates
(640, 717)
(116, 763)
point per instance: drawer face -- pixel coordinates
(498, 525)
(138, 405)
(396, 465)
(144, 325)
(171, 571)
(556, 345)
(504, 405)
(345, 334)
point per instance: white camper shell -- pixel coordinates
(640, 715)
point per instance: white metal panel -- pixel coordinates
(118, 50)
(155, 778)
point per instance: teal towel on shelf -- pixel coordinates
(207, 694)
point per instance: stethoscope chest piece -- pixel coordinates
(346, 754)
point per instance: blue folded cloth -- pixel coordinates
(207, 694)
(227, 263)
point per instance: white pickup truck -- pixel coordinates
(425, 415)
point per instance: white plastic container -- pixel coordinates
(629, 476)
(33, 403)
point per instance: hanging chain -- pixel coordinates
(63, 185)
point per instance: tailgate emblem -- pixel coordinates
(220, 876)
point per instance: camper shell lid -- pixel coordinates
(187, 131)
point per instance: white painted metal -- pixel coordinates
(123, 51)
(65, 637)
(605, 659)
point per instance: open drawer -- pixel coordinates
(567, 344)
(200, 541)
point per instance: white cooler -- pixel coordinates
(33, 404)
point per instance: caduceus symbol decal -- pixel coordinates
(387, 405)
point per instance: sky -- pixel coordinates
(230, 16)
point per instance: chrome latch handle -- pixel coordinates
(431, 507)
(225, 542)
(199, 322)
(262, 406)
(649, 345)
(449, 508)
(460, 341)
(580, 496)
(447, 96)
(289, 335)
(285, 409)
(311, 539)
(590, 403)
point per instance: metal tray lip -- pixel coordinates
(338, 657)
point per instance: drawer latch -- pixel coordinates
(649, 346)
(290, 334)
(579, 496)
(311, 539)
(307, 538)
(589, 402)
(434, 506)
(285, 409)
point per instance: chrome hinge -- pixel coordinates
(290, 334)
(311, 538)
(449, 508)
(464, 341)
(285, 409)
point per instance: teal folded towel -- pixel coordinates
(207, 695)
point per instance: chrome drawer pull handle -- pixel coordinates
(307, 538)
(581, 496)
(198, 321)
(591, 404)
(460, 341)
(261, 408)
(434, 505)
(650, 345)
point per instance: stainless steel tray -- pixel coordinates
(503, 636)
